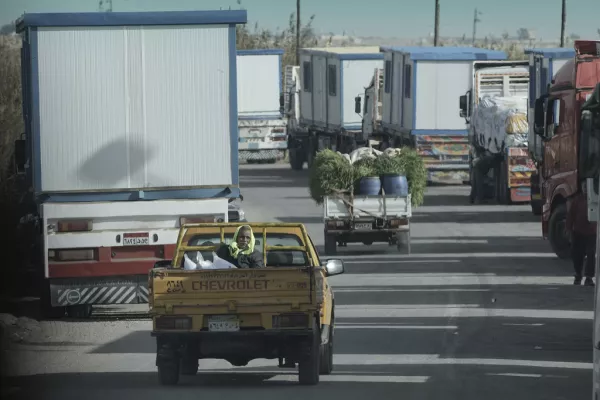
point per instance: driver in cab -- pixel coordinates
(241, 252)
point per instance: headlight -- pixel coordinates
(241, 215)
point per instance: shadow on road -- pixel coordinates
(414, 381)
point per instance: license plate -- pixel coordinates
(223, 323)
(136, 239)
(363, 226)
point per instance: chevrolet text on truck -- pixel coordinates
(128, 135)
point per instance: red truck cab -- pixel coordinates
(558, 116)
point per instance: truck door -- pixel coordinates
(552, 154)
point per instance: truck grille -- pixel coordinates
(233, 216)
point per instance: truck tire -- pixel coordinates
(47, 311)
(79, 311)
(536, 208)
(308, 367)
(558, 240)
(330, 244)
(296, 159)
(327, 352)
(168, 372)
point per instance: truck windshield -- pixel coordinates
(275, 258)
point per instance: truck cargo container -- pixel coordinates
(128, 134)
(262, 127)
(495, 109)
(420, 86)
(543, 65)
(330, 80)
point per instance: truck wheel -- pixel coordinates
(79, 311)
(46, 308)
(327, 353)
(168, 372)
(403, 242)
(557, 232)
(330, 244)
(296, 161)
(308, 367)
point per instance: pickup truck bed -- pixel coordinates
(367, 219)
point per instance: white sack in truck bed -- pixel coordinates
(500, 122)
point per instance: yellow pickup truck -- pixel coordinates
(283, 311)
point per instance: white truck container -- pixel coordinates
(367, 219)
(262, 127)
(131, 128)
(543, 64)
(420, 86)
(330, 80)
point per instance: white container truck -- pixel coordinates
(131, 128)
(420, 84)
(262, 127)
(330, 79)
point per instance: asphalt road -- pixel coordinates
(481, 309)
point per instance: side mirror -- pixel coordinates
(334, 267)
(163, 264)
(357, 106)
(20, 156)
(540, 116)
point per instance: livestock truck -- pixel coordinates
(261, 124)
(543, 65)
(419, 86)
(320, 103)
(560, 119)
(128, 135)
(495, 110)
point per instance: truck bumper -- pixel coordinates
(131, 289)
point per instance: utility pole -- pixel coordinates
(436, 32)
(475, 21)
(563, 23)
(297, 32)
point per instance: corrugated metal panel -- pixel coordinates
(386, 117)
(334, 111)
(258, 84)
(319, 76)
(357, 76)
(158, 94)
(440, 84)
(306, 82)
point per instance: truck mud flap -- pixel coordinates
(99, 290)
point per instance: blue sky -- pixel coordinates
(388, 18)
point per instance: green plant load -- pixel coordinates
(330, 173)
(333, 172)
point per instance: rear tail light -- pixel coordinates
(335, 224)
(290, 321)
(72, 255)
(200, 219)
(173, 322)
(398, 222)
(71, 226)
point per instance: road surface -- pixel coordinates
(481, 309)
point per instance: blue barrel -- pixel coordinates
(369, 185)
(395, 184)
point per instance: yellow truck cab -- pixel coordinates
(284, 311)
